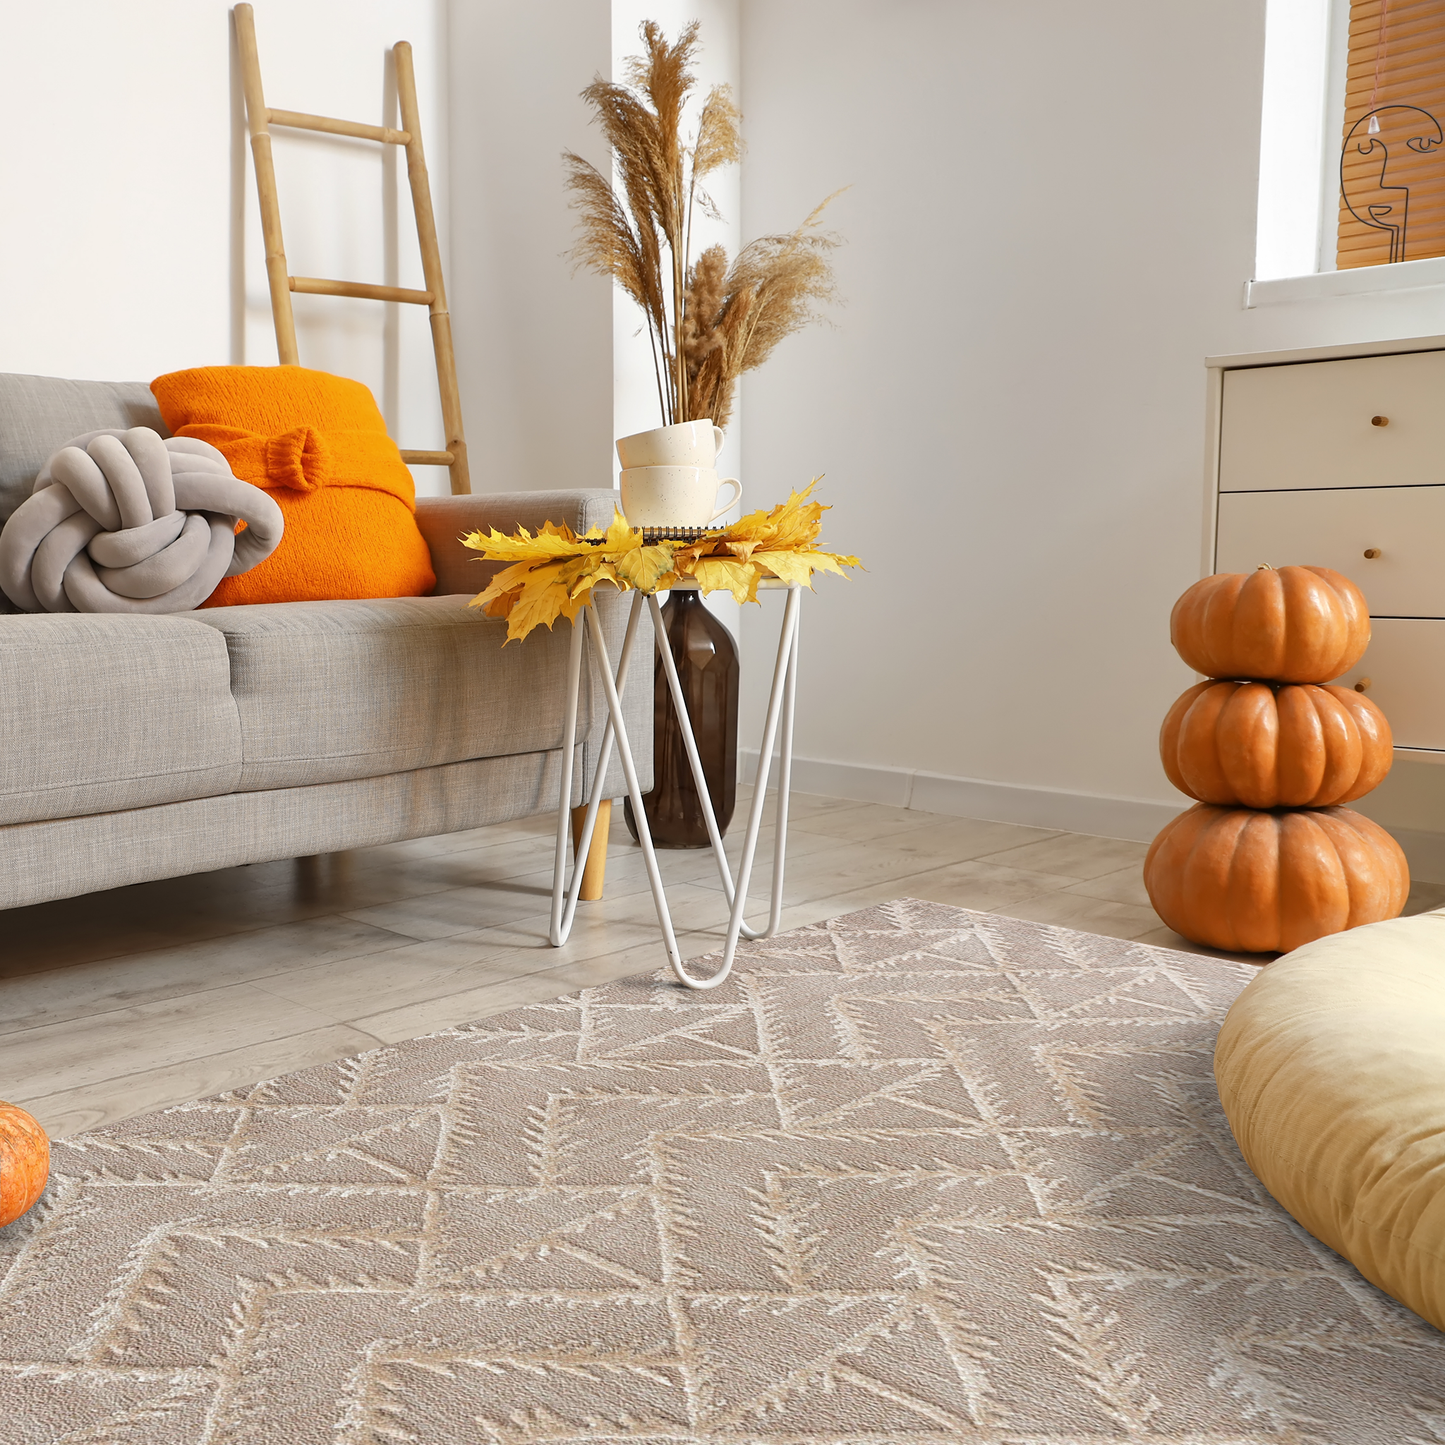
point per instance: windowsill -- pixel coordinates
(1359, 281)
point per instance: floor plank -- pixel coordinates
(152, 995)
(89, 1106)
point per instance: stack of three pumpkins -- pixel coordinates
(1268, 859)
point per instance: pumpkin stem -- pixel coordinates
(1264, 567)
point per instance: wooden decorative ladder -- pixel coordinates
(259, 120)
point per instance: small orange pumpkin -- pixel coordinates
(24, 1162)
(1266, 746)
(1297, 624)
(1257, 882)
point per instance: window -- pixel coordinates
(1352, 165)
(1392, 148)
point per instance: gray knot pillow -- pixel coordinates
(122, 521)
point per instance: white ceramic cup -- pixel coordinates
(688, 444)
(674, 496)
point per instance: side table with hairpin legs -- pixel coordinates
(779, 715)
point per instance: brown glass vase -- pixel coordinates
(707, 667)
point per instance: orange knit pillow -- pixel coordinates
(318, 445)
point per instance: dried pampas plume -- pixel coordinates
(707, 322)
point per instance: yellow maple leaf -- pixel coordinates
(796, 522)
(600, 570)
(620, 536)
(719, 574)
(551, 541)
(539, 604)
(498, 606)
(789, 567)
(574, 571)
(791, 523)
(507, 580)
(642, 566)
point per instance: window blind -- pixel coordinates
(1392, 182)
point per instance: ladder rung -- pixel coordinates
(427, 459)
(299, 120)
(315, 286)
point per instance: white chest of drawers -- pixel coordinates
(1336, 457)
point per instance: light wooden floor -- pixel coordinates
(125, 1001)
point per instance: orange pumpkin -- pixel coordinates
(1266, 746)
(1257, 882)
(24, 1162)
(1297, 624)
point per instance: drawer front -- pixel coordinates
(1405, 663)
(1309, 425)
(1405, 525)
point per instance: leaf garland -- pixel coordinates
(552, 574)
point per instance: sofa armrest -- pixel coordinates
(445, 520)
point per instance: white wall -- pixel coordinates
(534, 342)
(1051, 221)
(1009, 412)
(132, 239)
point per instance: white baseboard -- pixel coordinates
(1137, 819)
(1426, 852)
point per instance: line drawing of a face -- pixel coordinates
(1371, 198)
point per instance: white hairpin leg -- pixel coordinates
(563, 914)
(634, 793)
(689, 743)
(785, 767)
(555, 933)
(780, 704)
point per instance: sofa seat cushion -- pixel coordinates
(103, 713)
(330, 691)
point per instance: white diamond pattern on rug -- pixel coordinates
(917, 1175)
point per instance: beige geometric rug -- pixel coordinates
(917, 1175)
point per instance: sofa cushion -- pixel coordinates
(329, 691)
(103, 713)
(318, 445)
(39, 414)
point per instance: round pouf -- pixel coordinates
(1331, 1070)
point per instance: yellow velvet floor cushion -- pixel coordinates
(1331, 1069)
(317, 444)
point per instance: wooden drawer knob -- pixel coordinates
(1372, 551)
(1363, 685)
(1379, 421)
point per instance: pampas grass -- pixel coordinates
(707, 321)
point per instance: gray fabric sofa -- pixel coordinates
(147, 747)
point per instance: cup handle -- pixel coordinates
(737, 487)
(718, 439)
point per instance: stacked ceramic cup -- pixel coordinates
(1268, 860)
(669, 476)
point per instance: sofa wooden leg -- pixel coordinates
(594, 872)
